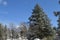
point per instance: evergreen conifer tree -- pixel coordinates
(39, 23)
(1, 32)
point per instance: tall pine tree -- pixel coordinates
(1, 32)
(39, 23)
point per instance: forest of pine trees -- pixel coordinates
(39, 26)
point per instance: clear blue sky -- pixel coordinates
(17, 11)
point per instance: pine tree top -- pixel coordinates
(37, 9)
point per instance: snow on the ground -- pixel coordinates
(18, 39)
(23, 39)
